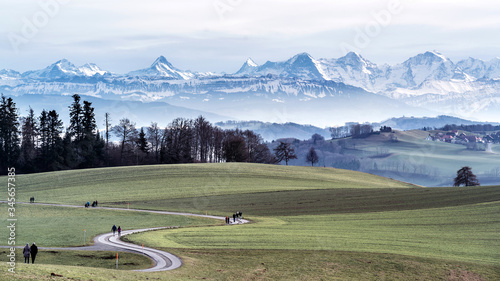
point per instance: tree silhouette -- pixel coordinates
(465, 177)
(284, 151)
(312, 156)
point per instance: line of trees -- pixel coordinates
(186, 141)
(41, 143)
(353, 130)
(471, 128)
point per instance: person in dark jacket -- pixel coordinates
(26, 253)
(34, 251)
(113, 229)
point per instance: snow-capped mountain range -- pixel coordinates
(423, 84)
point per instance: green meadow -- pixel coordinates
(51, 226)
(306, 223)
(139, 186)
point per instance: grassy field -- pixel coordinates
(249, 265)
(126, 184)
(307, 223)
(466, 233)
(327, 201)
(59, 226)
(126, 261)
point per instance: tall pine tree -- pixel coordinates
(75, 129)
(9, 134)
(29, 133)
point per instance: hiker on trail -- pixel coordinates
(34, 251)
(241, 215)
(113, 229)
(32, 199)
(234, 217)
(26, 253)
(119, 231)
(96, 203)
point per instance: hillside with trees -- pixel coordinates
(409, 156)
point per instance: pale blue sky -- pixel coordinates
(219, 35)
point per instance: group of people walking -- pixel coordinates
(94, 204)
(115, 229)
(27, 251)
(237, 215)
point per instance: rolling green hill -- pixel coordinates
(163, 182)
(307, 223)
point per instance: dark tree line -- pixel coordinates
(471, 128)
(354, 130)
(42, 143)
(38, 143)
(185, 141)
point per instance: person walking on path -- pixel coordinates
(34, 251)
(234, 217)
(113, 229)
(26, 253)
(119, 231)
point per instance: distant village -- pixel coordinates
(455, 137)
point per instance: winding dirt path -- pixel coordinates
(108, 242)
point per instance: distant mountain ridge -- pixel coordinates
(349, 88)
(414, 123)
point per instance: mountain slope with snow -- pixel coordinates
(427, 83)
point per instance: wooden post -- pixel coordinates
(116, 260)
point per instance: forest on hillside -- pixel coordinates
(41, 142)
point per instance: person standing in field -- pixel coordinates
(34, 251)
(113, 229)
(119, 231)
(26, 253)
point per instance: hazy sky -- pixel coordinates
(219, 35)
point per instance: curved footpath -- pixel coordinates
(109, 242)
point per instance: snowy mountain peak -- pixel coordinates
(356, 61)
(162, 60)
(161, 67)
(436, 54)
(249, 67)
(59, 69)
(302, 66)
(301, 58)
(91, 69)
(251, 63)
(353, 56)
(65, 65)
(427, 58)
(9, 73)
